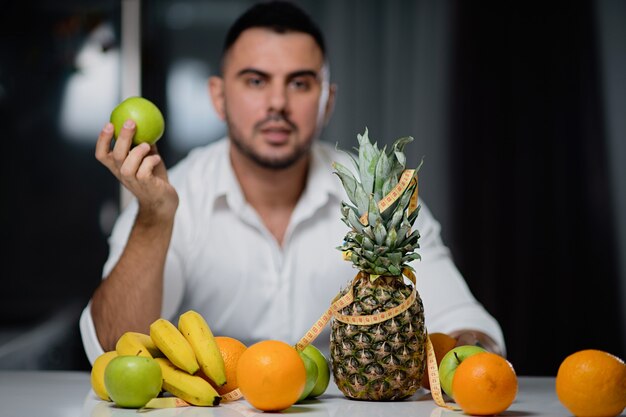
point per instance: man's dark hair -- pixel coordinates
(279, 16)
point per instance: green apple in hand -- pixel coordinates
(323, 370)
(147, 117)
(451, 361)
(132, 381)
(311, 375)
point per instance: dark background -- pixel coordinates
(531, 172)
(507, 101)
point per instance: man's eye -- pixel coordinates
(255, 82)
(301, 84)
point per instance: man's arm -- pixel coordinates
(130, 298)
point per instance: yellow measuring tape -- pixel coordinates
(407, 178)
(232, 395)
(433, 377)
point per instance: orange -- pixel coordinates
(231, 350)
(484, 384)
(592, 383)
(271, 375)
(442, 344)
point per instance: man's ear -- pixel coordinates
(216, 91)
(330, 103)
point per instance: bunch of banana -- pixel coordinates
(184, 353)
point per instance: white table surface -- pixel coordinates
(68, 394)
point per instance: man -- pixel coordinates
(244, 230)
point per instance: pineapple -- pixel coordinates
(383, 361)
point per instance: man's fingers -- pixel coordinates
(103, 145)
(132, 162)
(467, 339)
(477, 338)
(146, 169)
(124, 141)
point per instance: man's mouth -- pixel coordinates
(276, 135)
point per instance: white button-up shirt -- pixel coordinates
(225, 264)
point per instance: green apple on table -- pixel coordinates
(323, 374)
(132, 381)
(146, 115)
(451, 361)
(311, 375)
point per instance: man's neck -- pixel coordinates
(273, 193)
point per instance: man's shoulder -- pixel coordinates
(330, 153)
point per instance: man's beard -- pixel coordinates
(275, 163)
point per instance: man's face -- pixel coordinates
(271, 95)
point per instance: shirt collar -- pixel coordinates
(321, 182)
(321, 177)
(226, 184)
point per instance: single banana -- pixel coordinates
(197, 332)
(166, 402)
(97, 374)
(174, 346)
(190, 388)
(137, 344)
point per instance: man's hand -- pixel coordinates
(476, 338)
(140, 169)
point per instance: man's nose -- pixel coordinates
(278, 99)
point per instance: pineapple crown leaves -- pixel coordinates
(378, 171)
(385, 244)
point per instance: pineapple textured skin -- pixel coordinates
(384, 361)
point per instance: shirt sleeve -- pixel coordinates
(448, 302)
(88, 335)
